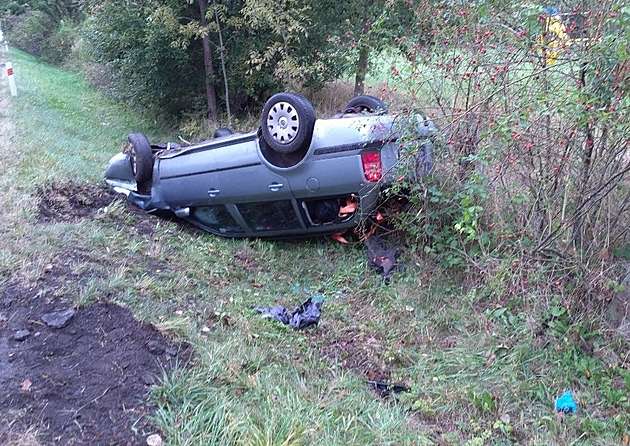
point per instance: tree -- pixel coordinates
(211, 96)
(364, 28)
(132, 44)
(286, 22)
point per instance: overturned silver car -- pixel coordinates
(296, 175)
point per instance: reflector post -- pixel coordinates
(11, 78)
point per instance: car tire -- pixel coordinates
(365, 104)
(141, 159)
(221, 132)
(287, 124)
(423, 161)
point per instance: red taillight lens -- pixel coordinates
(372, 167)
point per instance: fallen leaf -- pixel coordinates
(154, 440)
(26, 385)
(338, 237)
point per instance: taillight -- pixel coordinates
(372, 167)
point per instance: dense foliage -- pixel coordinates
(151, 52)
(44, 28)
(534, 164)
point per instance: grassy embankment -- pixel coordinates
(481, 371)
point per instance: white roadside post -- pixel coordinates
(10, 74)
(11, 77)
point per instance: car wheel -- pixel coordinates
(288, 120)
(141, 159)
(365, 104)
(423, 161)
(221, 132)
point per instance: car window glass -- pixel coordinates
(269, 216)
(217, 218)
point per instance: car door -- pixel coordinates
(261, 197)
(188, 178)
(243, 178)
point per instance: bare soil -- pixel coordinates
(87, 382)
(71, 201)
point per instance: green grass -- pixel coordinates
(482, 370)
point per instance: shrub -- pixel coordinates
(535, 159)
(41, 35)
(31, 32)
(61, 43)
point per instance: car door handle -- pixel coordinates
(275, 187)
(213, 192)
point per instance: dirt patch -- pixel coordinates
(83, 383)
(71, 201)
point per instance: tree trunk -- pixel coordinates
(585, 174)
(362, 66)
(223, 69)
(211, 95)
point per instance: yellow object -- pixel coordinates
(552, 40)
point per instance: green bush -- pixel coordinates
(31, 32)
(41, 35)
(534, 159)
(62, 42)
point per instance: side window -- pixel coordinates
(330, 210)
(269, 216)
(216, 218)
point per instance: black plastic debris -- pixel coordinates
(385, 389)
(382, 259)
(278, 313)
(302, 316)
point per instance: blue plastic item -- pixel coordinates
(566, 403)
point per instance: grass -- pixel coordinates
(482, 370)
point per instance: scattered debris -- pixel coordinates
(385, 389)
(566, 403)
(382, 259)
(58, 319)
(154, 440)
(306, 314)
(278, 313)
(26, 385)
(21, 335)
(302, 316)
(338, 237)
